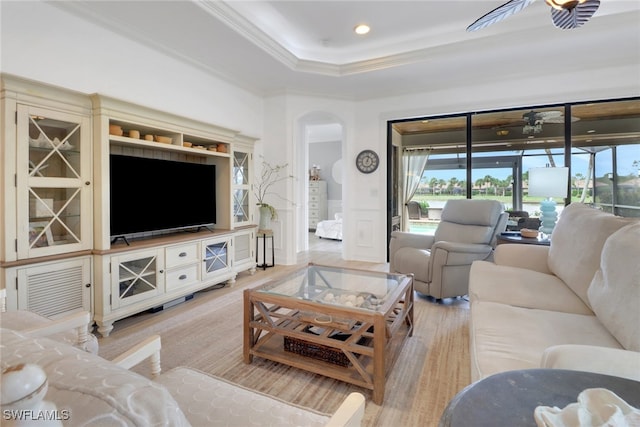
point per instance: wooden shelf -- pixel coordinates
(125, 141)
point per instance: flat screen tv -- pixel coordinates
(158, 195)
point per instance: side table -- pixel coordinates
(510, 398)
(264, 235)
(515, 237)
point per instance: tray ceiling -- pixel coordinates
(309, 46)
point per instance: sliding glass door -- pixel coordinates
(489, 154)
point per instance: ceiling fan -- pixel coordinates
(533, 120)
(565, 14)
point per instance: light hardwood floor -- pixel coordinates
(316, 244)
(432, 367)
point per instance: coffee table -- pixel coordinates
(346, 324)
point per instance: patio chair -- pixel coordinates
(414, 209)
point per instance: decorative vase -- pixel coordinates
(265, 219)
(548, 216)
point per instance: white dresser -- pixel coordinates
(317, 203)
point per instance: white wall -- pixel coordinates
(43, 43)
(88, 58)
(365, 128)
(284, 140)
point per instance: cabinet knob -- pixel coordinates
(87, 183)
(182, 254)
(161, 271)
(88, 285)
(182, 276)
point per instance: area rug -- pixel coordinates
(206, 333)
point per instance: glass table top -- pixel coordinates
(352, 288)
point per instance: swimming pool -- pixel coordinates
(423, 227)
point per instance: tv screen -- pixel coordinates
(153, 195)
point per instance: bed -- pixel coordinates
(330, 228)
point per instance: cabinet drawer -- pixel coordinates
(313, 223)
(314, 214)
(180, 277)
(314, 205)
(314, 190)
(181, 255)
(314, 198)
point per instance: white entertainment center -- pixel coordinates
(58, 255)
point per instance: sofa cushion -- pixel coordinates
(505, 337)
(211, 401)
(523, 288)
(576, 245)
(95, 391)
(615, 289)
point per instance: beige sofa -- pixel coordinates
(90, 391)
(573, 305)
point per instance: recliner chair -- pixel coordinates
(441, 263)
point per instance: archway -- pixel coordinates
(320, 129)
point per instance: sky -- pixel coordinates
(626, 156)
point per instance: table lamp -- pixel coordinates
(549, 183)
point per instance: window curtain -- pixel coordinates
(413, 164)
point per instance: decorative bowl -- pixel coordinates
(163, 139)
(187, 144)
(526, 232)
(115, 130)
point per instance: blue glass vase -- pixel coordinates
(548, 217)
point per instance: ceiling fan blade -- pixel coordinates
(498, 14)
(567, 19)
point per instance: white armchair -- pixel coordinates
(72, 328)
(441, 263)
(92, 391)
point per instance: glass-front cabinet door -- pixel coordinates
(216, 257)
(53, 182)
(241, 187)
(136, 277)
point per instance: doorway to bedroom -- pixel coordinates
(324, 187)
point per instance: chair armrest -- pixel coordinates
(149, 348)
(471, 248)
(590, 358)
(452, 253)
(531, 257)
(79, 321)
(401, 239)
(350, 412)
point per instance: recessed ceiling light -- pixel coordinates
(362, 29)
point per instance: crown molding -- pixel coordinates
(84, 11)
(229, 16)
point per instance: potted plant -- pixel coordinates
(424, 208)
(268, 177)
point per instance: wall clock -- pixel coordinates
(367, 161)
